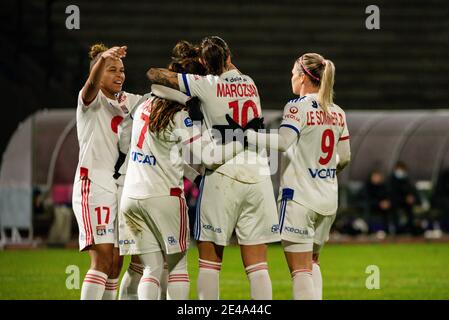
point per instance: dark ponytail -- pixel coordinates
(215, 52)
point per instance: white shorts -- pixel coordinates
(154, 224)
(299, 224)
(225, 205)
(95, 210)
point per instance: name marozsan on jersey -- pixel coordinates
(235, 94)
(309, 166)
(156, 163)
(97, 126)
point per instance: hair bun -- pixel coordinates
(184, 49)
(97, 49)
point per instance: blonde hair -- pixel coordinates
(95, 52)
(321, 73)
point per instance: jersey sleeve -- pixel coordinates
(134, 101)
(293, 117)
(280, 141)
(194, 85)
(345, 133)
(91, 104)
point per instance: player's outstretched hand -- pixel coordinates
(229, 132)
(233, 125)
(114, 53)
(255, 124)
(193, 106)
(121, 159)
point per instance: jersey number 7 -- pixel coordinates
(146, 119)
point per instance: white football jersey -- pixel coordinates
(234, 94)
(124, 135)
(308, 168)
(97, 126)
(155, 159)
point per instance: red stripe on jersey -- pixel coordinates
(192, 139)
(183, 231)
(175, 192)
(343, 138)
(83, 209)
(89, 224)
(84, 172)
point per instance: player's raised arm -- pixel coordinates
(98, 67)
(164, 77)
(280, 141)
(292, 122)
(203, 149)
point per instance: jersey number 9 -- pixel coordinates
(327, 146)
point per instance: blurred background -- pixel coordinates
(393, 83)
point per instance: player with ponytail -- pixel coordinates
(314, 139)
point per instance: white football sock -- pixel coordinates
(130, 282)
(164, 279)
(149, 286)
(178, 281)
(260, 281)
(110, 292)
(317, 281)
(303, 285)
(208, 284)
(93, 285)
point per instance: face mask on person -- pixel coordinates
(400, 174)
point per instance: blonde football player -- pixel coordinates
(315, 138)
(238, 195)
(101, 106)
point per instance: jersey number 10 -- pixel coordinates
(243, 120)
(327, 146)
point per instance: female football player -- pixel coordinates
(153, 205)
(315, 138)
(101, 106)
(238, 196)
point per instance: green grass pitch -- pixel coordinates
(407, 271)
